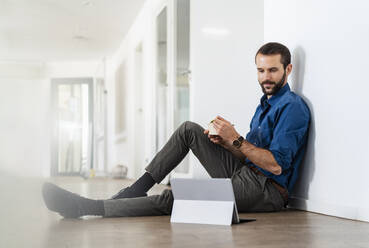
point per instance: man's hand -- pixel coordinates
(215, 138)
(225, 130)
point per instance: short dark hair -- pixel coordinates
(273, 48)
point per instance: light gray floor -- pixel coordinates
(25, 222)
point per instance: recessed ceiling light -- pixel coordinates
(86, 3)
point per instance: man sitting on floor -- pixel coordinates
(263, 167)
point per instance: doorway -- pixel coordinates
(72, 116)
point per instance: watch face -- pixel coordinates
(236, 143)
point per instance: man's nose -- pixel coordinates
(267, 76)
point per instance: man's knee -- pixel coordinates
(191, 132)
(165, 200)
(192, 126)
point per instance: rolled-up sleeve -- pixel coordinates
(290, 133)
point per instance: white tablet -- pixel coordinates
(204, 201)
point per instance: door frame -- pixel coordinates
(174, 14)
(164, 4)
(55, 82)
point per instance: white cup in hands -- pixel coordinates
(211, 129)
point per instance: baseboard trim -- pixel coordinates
(320, 207)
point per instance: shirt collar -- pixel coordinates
(264, 100)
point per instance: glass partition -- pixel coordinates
(161, 76)
(182, 86)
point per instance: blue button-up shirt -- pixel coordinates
(280, 125)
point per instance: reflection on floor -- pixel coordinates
(25, 222)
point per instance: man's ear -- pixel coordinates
(288, 69)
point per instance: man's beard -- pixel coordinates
(276, 88)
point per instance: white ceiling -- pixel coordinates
(59, 30)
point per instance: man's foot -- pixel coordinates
(68, 204)
(128, 193)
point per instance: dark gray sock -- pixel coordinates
(137, 189)
(144, 183)
(68, 204)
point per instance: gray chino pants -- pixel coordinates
(253, 192)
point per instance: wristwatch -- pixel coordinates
(238, 142)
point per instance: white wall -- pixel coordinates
(329, 41)
(224, 40)
(24, 113)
